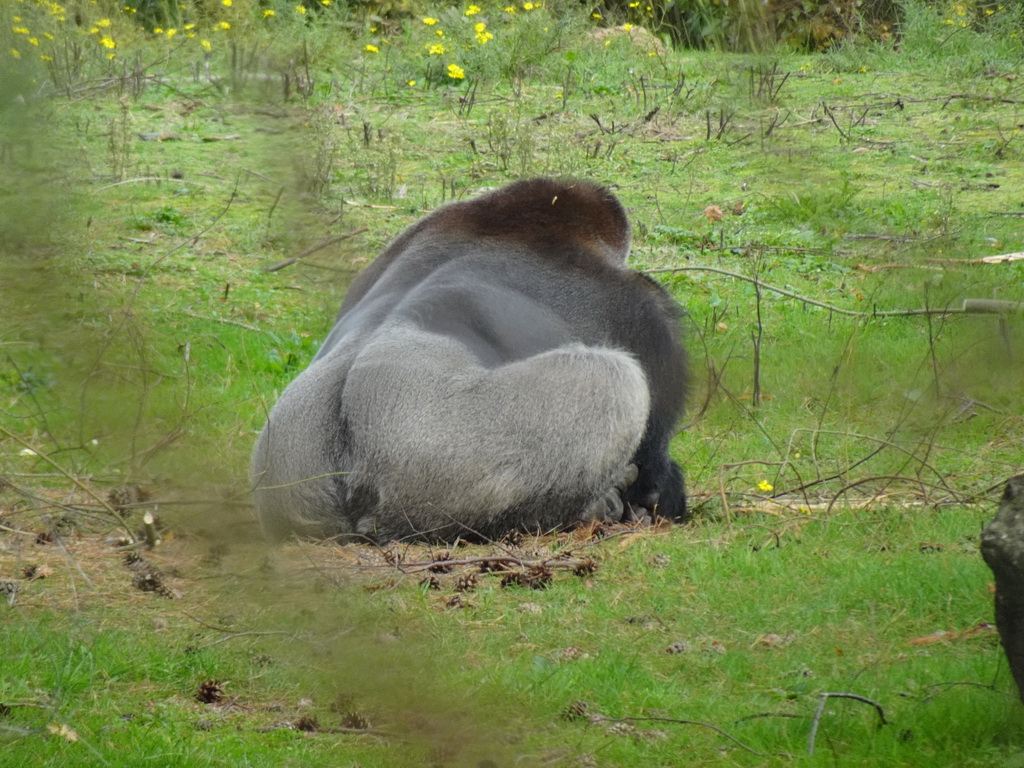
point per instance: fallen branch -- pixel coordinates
(982, 628)
(78, 483)
(942, 687)
(490, 560)
(911, 480)
(825, 696)
(1001, 258)
(880, 267)
(969, 306)
(314, 248)
(226, 321)
(130, 181)
(980, 97)
(702, 724)
(250, 633)
(313, 727)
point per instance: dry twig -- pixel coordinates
(969, 306)
(702, 724)
(825, 696)
(314, 248)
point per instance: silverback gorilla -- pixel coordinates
(498, 367)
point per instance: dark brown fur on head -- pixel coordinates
(545, 211)
(538, 213)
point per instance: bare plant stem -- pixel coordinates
(755, 337)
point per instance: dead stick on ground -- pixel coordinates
(825, 696)
(95, 497)
(250, 633)
(712, 726)
(314, 248)
(969, 306)
(486, 560)
(226, 321)
(999, 258)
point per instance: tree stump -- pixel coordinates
(1002, 546)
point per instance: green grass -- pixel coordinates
(768, 615)
(142, 342)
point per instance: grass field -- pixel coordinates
(180, 215)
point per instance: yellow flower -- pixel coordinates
(325, 2)
(627, 27)
(15, 53)
(222, 25)
(44, 57)
(227, 3)
(765, 486)
(20, 30)
(47, 35)
(482, 35)
(596, 15)
(510, 10)
(473, 10)
(436, 50)
(171, 33)
(430, 21)
(206, 45)
(158, 30)
(634, 5)
(268, 13)
(371, 48)
(107, 42)
(103, 23)
(411, 83)
(33, 41)
(189, 27)
(300, 9)
(455, 72)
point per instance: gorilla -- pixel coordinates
(496, 368)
